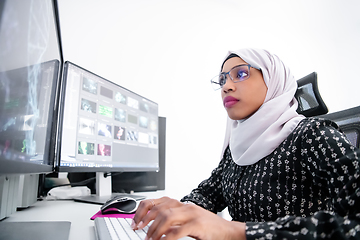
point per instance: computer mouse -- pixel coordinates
(119, 205)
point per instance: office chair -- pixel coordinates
(311, 104)
(308, 95)
(349, 122)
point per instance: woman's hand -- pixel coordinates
(150, 208)
(176, 220)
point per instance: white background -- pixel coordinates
(168, 51)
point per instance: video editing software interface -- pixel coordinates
(106, 126)
(26, 108)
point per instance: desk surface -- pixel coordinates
(77, 213)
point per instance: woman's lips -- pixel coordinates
(230, 101)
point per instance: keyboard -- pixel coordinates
(119, 228)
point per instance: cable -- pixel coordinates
(111, 174)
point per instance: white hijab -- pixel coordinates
(254, 138)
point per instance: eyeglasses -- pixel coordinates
(236, 74)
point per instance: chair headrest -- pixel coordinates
(309, 98)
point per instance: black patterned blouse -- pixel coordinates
(307, 188)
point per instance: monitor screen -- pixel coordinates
(105, 127)
(30, 63)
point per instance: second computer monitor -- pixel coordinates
(105, 127)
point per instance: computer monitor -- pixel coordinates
(105, 127)
(30, 69)
(30, 63)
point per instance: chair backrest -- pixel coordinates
(309, 98)
(349, 122)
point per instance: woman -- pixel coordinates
(282, 176)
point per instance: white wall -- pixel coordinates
(168, 51)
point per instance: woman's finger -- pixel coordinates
(168, 219)
(180, 231)
(149, 208)
(144, 207)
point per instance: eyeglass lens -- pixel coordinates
(237, 74)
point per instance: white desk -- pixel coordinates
(77, 213)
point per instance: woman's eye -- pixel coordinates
(242, 74)
(222, 80)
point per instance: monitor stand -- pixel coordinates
(104, 192)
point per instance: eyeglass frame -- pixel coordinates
(228, 73)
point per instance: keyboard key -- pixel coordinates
(113, 233)
(141, 233)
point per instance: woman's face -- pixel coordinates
(242, 99)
